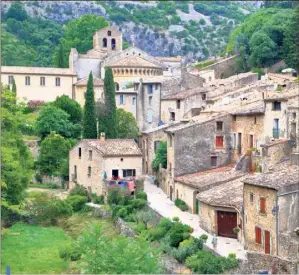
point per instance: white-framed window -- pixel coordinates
(42, 81)
(129, 173)
(57, 81)
(121, 99)
(27, 80)
(10, 79)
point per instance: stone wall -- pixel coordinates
(33, 147)
(124, 228)
(194, 146)
(258, 261)
(223, 66)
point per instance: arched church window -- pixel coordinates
(113, 44)
(104, 42)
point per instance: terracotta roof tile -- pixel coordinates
(133, 61)
(36, 70)
(96, 82)
(206, 179)
(115, 147)
(229, 194)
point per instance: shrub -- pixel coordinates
(175, 238)
(204, 237)
(138, 203)
(204, 262)
(79, 190)
(131, 217)
(75, 256)
(140, 227)
(165, 223)
(185, 251)
(98, 199)
(122, 212)
(65, 253)
(176, 219)
(181, 204)
(77, 202)
(46, 209)
(141, 195)
(156, 234)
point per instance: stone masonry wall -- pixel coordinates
(195, 145)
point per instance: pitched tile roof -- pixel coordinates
(184, 94)
(278, 176)
(36, 70)
(229, 194)
(133, 61)
(115, 147)
(206, 179)
(96, 82)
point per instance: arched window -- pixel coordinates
(104, 42)
(116, 86)
(27, 80)
(57, 81)
(113, 44)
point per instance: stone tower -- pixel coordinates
(109, 40)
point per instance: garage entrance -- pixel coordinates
(226, 222)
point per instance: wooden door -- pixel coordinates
(226, 222)
(267, 242)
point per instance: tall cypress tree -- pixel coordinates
(109, 120)
(14, 87)
(60, 57)
(89, 115)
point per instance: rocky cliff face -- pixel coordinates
(184, 36)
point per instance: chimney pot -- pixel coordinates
(102, 137)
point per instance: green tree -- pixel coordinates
(79, 33)
(161, 156)
(126, 125)
(60, 57)
(89, 114)
(16, 159)
(51, 119)
(110, 105)
(53, 155)
(71, 107)
(291, 42)
(16, 11)
(263, 50)
(14, 88)
(119, 255)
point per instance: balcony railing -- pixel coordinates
(275, 133)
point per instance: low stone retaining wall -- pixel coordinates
(124, 228)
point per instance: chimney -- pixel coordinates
(102, 137)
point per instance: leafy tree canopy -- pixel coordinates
(17, 11)
(16, 159)
(71, 107)
(120, 255)
(51, 119)
(126, 125)
(79, 33)
(161, 156)
(53, 155)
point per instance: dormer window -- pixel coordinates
(109, 33)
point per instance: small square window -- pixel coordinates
(109, 33)
(121, 159)
(276, 106)
(204, 96)
(219, 125)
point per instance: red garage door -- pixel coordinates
(226, 222)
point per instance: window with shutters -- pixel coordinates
(42, 81)
(121, 100)
(27, 81)
(262, 205)
(258, 235)
(57, 81)
(10, 79)
(219, 141)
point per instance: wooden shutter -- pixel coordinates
(258, 235)
(219, 141)
(262, 205)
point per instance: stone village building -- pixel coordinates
(91, 159)
(271, 207)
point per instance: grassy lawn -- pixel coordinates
(43, 185)
(30, 249)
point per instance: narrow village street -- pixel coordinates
(158, 201)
